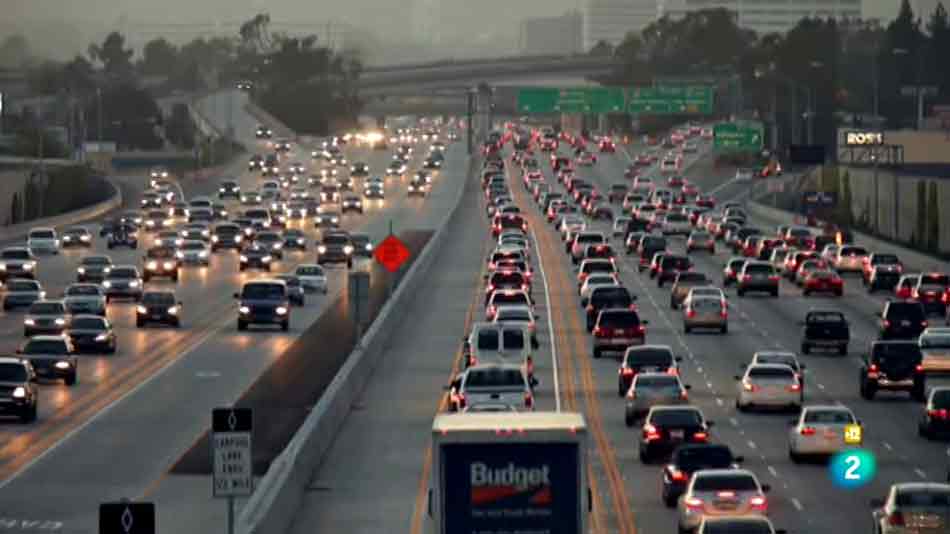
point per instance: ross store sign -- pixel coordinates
(859, 138)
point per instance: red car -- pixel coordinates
(706, 201)
(506, 221)
(607, 145)
(675, 181)
(823, 281)
(644, 160)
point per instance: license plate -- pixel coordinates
(649, 369)
(156, 316)
(677, 434)
(905, 323)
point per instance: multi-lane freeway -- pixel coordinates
(132, 414)
(377, 473)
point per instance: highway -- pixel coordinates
(116, 433)
(375, 476)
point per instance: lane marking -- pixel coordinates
(797, 504)
(207, 374)
(733, 421)
(920, 472)
(888, 446)
(547, 303)
(751, 444)
(772, 471)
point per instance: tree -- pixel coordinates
(180, 129)
(130, 116)
(159, 58)
(116, 60)
(939, 28)
(255, 34)
(15, 52)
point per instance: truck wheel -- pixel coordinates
(725, 329)
(794, 457)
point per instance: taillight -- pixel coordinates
(923, 324)
(672, 371)
(873, 368)
(919, 368)
(895, 519)
(600, 332)
(700, 436)
(528, 400)
(650, 432)
(691, 313)
(530, 366)
(938, 414)
(749, 386)
(808, 431)
(758, 502)
(773, 278)
(626, 371)
(887, 324)
(693, 502)
(794, 387)
(724, 313)
(677, 475)
(460, 399)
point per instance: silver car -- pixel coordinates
(823, 430)
(123, 281)
(705, 312)
(653, 389)
(912, 508)
(313, 277)
(45, 317)
(194, 252)
(850, 258)
(44, 240)
(719, 493)
(85, 299)
(22, 292)
(769, 385)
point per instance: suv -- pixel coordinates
(935, 420)
(226, 235)
(18, 392)
(645, 359)
(933, 291)
(52, 357)
(609, 297)
(892, 366)
(17, 262)
(902, 320)
(757, 276)
(578, 246)
(618, 329)
(263, 302)
(671, 266)
(923, 503)
(336, 247)
(160, 262)
(500, 343)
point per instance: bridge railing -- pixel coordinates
(473, 62)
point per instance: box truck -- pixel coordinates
(509, 473)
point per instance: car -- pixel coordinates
(757, 276)
(506, 297)
(884, 261)
(700, 240)
(295, 290)
(769, 385)
(743, 175)
(255, 257)
(295, 239)
(909, 504)
(905, 285)
(620, 224)
(229, 189)
(683, 283)
(417, 186)
(779, 357)
(882, 277)
(432, 163)
(691, 458)
(17, 262)
(93, 268)
(327, 219)
(902, 320)
(52, 358)
(46, 317)
(396, 168)
(705, 312)
(851, 258)
(227, 235)
(335, 247)
(491, 382)
(595, 265)
(167, 238)
(653, 389)
(934, 421)
(162, 262)
(667, 427)
(362, 245)
(264, 301)
(823, 430)
(935, 349)
(714, 493)
(351, 202)
(271, 241)
(195, 252)
(312, 277)
(603, 298)
(822, 281)
(374, 190)
(263, 132)
(617, 193)
(892, 366)
(19, 395)
(933, 292)
(617, 329)
(22, 292)
(670, 266)
(92, 334)
(43, 240)
(645, 359)
(77, 236)
(123, 281)
(155, 220)
(825, 329)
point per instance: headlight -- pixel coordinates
(281, 310)
(107, 270)
(321, 249)
(266, 259)
(348, 249)
(81, 270)
(334, 220)
(168, 265)
(19, 392)
(29, 322)
(67, 238)
(214, 239)
(205, 233)
(166, 222)
(248, 231)
(134, 283)
(84, 238)
(27, 266)
(141, 309)
(238, 238)
(243, 258)
(180, 254)
(221, 190)
(244, 309)
(173, 310)
(300, 241)
(60, 321)
(278, 246)
(152, 265)
(63, 365)
(203, 254)
(369, 246)
(102, 337)
(107, 284)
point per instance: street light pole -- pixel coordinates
(99, 113)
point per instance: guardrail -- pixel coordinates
(19, 231)
(53, 162)
(272, 507)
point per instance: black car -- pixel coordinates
(935, 417)
(122, 235)
(668, 427)
(670, 266)
(256, 162)
(757, 276)
(648, 246)
(227, 235)
(359, 169)
(336, 247)
(229, 189)
(884, 277)
(362, 245)
(901, 320)
(92, 333)
(645, 358)
(825, 329)
(602, 298)
(19, 395)
(52, 357)
(431, 163)
(93, 268)
(686, 460)
(160, 262)
(295, 239)
(892, 366)
(263, 302)
(255, 257)
(158, 307)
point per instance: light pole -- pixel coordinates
(812, 104)
(99, 113)
(918, 88)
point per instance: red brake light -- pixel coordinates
(693, 502)
(678, 475)
(650, 432)
(700, 436)
(626, 371)
(873, 368)
(938, 414)
(919, 368)
(895, 519)
(528, 400)
(808, 431)
(758, 501)
(691, 313)
(794, 387)
(887, 324)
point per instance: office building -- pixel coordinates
(551, 35)
(612, 20)
(767, 16)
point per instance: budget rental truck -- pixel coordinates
(509, 473)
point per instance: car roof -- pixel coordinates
(826, 408)
(773, 366)
(724, 472)
(11, 359)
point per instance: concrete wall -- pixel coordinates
(11, 181)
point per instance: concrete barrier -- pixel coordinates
(275, 501)
(19, 231)
(262, 116)
(912, 257)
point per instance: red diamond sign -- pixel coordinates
(391, 253)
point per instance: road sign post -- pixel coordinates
(738, 137)
(358, 294)
(127, 517)
(232, 458)
(668, 100)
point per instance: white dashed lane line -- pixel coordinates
(920, 472)
(797, 504)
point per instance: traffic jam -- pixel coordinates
(652, 251)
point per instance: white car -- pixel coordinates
(595, 281)
(823, 430)
(82, 298)
(194, 252)
(516, 314)
(312, 277)
(913, 503)
(850, 258)
(769, 385)
(43, 239)
(721, 492)
(830, 253)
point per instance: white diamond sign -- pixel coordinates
(231, 452)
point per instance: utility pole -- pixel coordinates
(99, 112)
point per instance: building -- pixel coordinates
(551, 35)
(767, 16)
(612, 20)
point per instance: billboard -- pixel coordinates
(505, 488)
(863, 138)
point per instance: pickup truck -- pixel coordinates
(825, 329)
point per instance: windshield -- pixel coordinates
(494, 378)
(684, 417)
(263, 292)
(619, 319)
(713, 457)
(123, 273)
(89, 323)
(46, 346)
(336, 239)
(46, 308)
(931, 497)
(15, 255)
(771, 373)
(162, 252)
(13, 372)
(758, 268)
(83, 290)
(23, 286)
(649, 357)
(825, 317)
(935, 341)
(590, 238)
(513, 314)
(737, 482)
(664, 382)
(192, 245)
(158, 298)
(499, 299)
(853, 251)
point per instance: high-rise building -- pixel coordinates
(767, 16)
(612, 20)
(551, 35)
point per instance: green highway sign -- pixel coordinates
(665, 100)
(738, 137)
(571, 100)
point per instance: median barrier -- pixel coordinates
(19, 231)
(277, 497)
